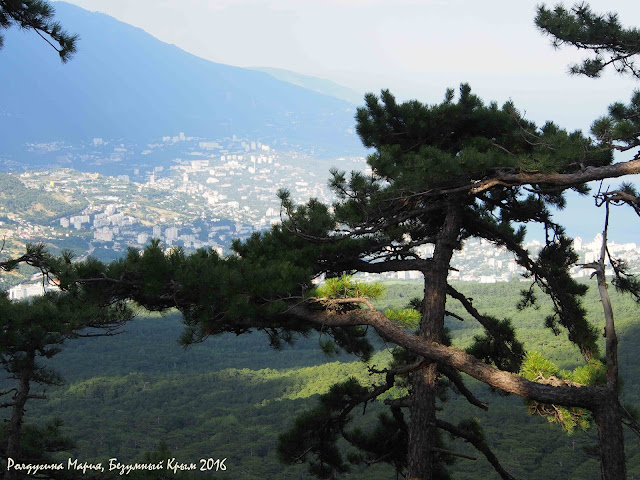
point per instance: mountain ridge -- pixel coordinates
(317, 84)
(125, 83)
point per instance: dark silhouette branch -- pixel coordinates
(481, 446)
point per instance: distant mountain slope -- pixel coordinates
(320, 85)
(124, 83)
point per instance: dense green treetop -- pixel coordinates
(461, 153)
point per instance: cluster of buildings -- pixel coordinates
(28, 290)
(121, 230)
(217, 191)
(480, 261)
(219, 194)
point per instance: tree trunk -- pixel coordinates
(607, 412)
(14, 427)
(609, 420)
(422, 426)
(422, 423)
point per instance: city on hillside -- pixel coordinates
(204, 194)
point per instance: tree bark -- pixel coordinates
(607, 414)
(582, 176)
(422, 424)
(609, 421)
(611, 339)
(551, 390)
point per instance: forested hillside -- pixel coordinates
(34, 204)
(233, 395)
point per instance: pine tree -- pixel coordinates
(33, 331)
(37, 15)
(440, 175)
(611, 45)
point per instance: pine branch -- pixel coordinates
(451, 452)
(403, 402)
(629, 420)
(600, 34)
(456, 379)
(37, 15)
(471, 310)
(552, 390)
(611, 339)
(453, 315)
(481, 446)
(587, 174)
(343, 301)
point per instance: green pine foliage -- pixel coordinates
(609, 41)
(498, 345)
(317, 431)
(555, 259)
(33, 331)
(346, 286)
(38, 15)
(621, 126)
(458, 141)
(407, 317)
(42, 445)
(536, 367)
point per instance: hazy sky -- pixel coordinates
(416, 48)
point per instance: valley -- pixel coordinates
(231, 396)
